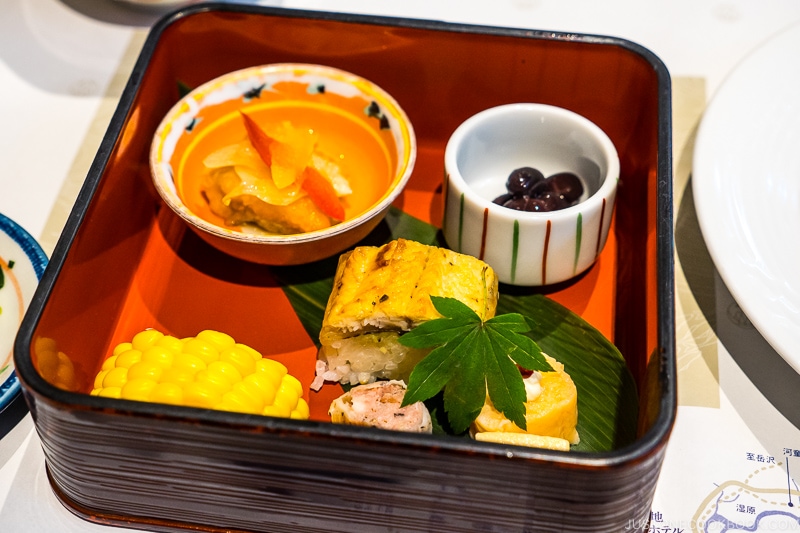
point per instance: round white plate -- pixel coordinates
(746, 187)
(22, 264)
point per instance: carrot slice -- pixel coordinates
(322, 193)
(319, 189)
(259, 139)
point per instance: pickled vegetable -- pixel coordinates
(275, 179)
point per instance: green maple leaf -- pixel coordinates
(472, 357)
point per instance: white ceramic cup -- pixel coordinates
(528, 248)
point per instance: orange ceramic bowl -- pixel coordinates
(358, 124)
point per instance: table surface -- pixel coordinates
(63, 65)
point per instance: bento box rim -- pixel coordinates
(645, 445)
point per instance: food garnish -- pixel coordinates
(471, 358)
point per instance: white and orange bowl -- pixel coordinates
(361, 119)
(22, 263)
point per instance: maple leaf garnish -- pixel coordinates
(471, 358)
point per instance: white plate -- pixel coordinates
(22, 264)
(746, 186)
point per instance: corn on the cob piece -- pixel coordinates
(209, 371)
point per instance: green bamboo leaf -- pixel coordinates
(607, 396)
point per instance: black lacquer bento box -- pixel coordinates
(125, 263)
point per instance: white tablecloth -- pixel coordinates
(63, 64)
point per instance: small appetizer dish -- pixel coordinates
(22, 263)
(283, 164)
(530, 189)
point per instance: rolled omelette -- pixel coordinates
(379, 293)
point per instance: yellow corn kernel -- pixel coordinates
(116, 377)
(241, 359)
(264, 384)
(252, 391)
(301, 412)
(178, 376)
(159, 355)
(166, 392)
(286, 397)
(189, 361)
(225, 369)
(127, 358)
(145, 369)
(291, 381)
(215, 380)
(273, 369)
(255, 354)
(145, 339)
(276, 410)
(98, 380)
(122, 347)
(218, 339)
(235, 400)
(201, 348)
(201, 394)
(137, 389)
(173, 343)
(110, 392)
(209, 371)
(109, 363)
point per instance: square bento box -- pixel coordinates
(125, 263)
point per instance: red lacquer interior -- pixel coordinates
(133, 264)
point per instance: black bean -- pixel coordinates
(503, 198)
(517, 202)
(567, 185)
(521, 180)
(536, 205)
(529, 190)
(539, 189)
(552, 201)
